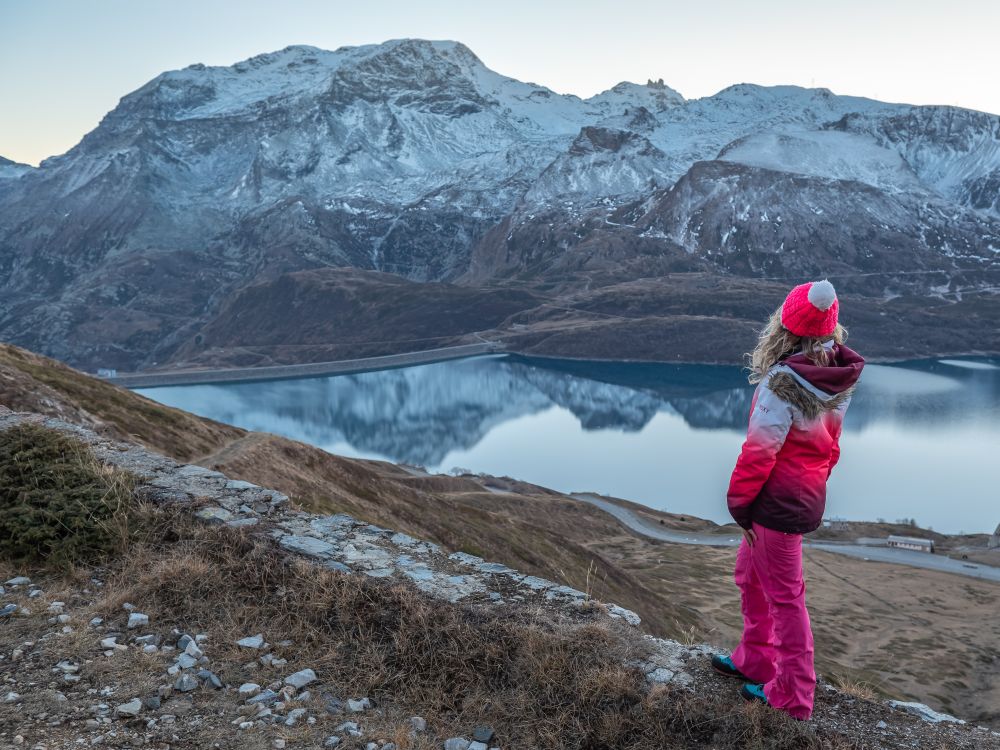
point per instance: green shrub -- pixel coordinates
(58, 504)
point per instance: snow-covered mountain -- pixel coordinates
(11, 170)
(414, 158)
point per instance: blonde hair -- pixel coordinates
(775, 342)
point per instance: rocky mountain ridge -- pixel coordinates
(412, 157)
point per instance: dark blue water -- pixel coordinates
(921, 440)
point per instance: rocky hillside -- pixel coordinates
(227, 618)
(866, 616)
(411, 157)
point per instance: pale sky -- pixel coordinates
(65, 63)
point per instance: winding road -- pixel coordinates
(874, 554)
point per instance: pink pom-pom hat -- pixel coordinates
(810, 309)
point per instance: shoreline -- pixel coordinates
(309, 370)
(225, 375)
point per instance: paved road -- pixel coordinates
(875, 554)
(313, 370)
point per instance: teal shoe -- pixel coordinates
(754, 692)
(724, 666)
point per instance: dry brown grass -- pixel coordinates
(30, 382)
(540, 680)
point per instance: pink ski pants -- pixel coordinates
(777, 644)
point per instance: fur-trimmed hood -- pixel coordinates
(814, 389)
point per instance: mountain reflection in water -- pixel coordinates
(918, 442)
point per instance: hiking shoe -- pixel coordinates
(724, 666)
(753, 692)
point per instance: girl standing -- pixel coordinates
(805, 376)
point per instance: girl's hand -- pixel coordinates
(750, 536)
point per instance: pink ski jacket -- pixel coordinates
(792, 442)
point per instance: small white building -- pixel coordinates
(836, 523)
(994, 540)
(911, 542)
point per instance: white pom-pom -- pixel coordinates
(822, 295)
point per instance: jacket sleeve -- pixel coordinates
(838, 426)
(770, 420)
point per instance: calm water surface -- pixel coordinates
(921, 440)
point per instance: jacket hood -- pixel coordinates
(815, 389)
(836, 377)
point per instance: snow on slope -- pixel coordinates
(825, 153)
(11, 170)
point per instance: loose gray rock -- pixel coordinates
(137, 620)
(349, 727)
(419, 723)
(300, 679)
(331, 741)
(8, 610)
(293, 716)
(265, 696)
(357, 706)
(482, 734)
(186, 661)
(456, 743)
(152, 702)
(253, 641)
(210, 678)
(132, 708)
(19, 581)
(478, 746)
(185, 683)
(249, 689)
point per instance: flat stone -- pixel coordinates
(265, 696)
(307, 545)
(239, 484)
(136, 620)
(456, 743)
(132, 708)
(925, 712)
(185, 683)
(252, 641)
(660, 676)
(300, 679)
(482, 734)
(8, 610)
(109, 642)
(293, 716)
(418, 723)
(186, 661)
(190, 470)
(478, 746)
(248, 689)
(331, 741)
(626, 614)
(19, 581)
(214, 514)
(357, 706)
